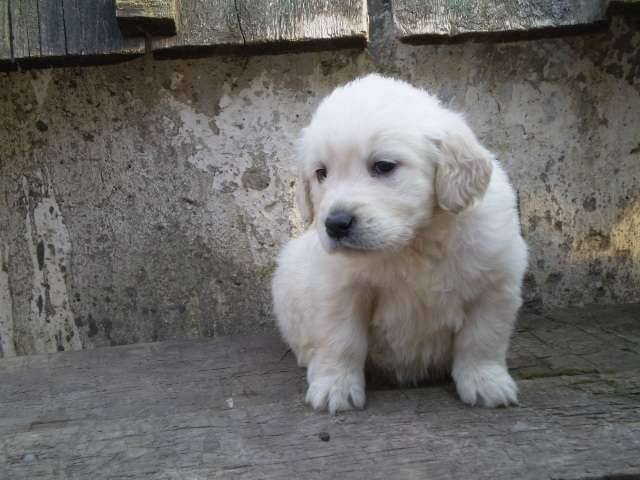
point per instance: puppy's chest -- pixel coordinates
(425, 296)
(417, 308)
(412, 334)
(413, 321)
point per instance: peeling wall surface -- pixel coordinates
(147, 200)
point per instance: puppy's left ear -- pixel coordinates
(463, 172)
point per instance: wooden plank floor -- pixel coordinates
(233, 408)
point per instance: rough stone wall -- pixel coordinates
(147, 200)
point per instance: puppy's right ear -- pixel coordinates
(303, 198)
(464, 171)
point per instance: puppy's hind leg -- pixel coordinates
(480, 350)
(336, 369)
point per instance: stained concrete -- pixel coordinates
(147, 200)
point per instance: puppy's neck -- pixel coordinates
(432, 240)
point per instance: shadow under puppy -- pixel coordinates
(413, 260)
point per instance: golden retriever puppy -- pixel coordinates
(414, 259)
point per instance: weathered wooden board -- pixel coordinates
(596, 339)
(429, 18)
(140, 17)
(304, 20)
(567, 428)
(51, 31)
(25, 28)
(79, 31)
(92, 29)
(5, 30)
(224, 24)
(233, 408)
(202, 24)
(51, 27)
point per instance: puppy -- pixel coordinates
(414, 259)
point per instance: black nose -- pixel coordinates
(338, 224)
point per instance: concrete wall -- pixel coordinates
(147, 200)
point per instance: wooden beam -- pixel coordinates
(92, 30)
(140, 17)
(448, 18)
(203, 24)
(265, 21)
(25, 27)
(241, 25)
(59, 32)
(82, 31)
(52, 28)
(70, 31)
(234, 408)
(5, 31)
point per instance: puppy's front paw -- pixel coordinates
(337, 392)
(489, 385)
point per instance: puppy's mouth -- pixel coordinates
(346, 244)
(354, 243)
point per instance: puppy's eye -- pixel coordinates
(383, 168)
(321, 174)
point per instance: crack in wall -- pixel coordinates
(235, 5)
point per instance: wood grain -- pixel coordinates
(140, 17)
(25, 27)
(233, 408)
(52, 28)
(201, 24)
(234, 25)
(428, 18)
(60, 32)
(92, 30)
(5, 31)
(65, 30)
(304, 20)
(55, 31)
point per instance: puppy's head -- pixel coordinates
(378, 158)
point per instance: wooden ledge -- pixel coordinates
(37, 33)
(433, 21)
(233, 408)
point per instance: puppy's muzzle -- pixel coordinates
(339, 224)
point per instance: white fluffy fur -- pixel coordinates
(430, 279)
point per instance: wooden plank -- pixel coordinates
(574, 341)
(5, 31)
(52, 28)
(140, 17)
(436, 18)
(264, 21)
(47, 31)
(576, 427)
(233, 408)
(92, 29)
(203, 24)
(225, 24)
(80, 31)
(38, 29)
(25, 28)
